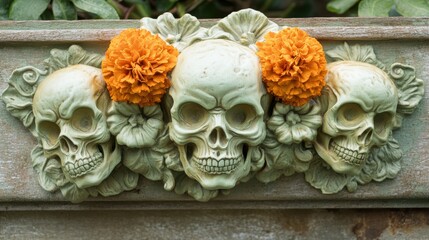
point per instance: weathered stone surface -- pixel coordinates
(393, 40)
(217, 224)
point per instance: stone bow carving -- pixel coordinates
(217, 126)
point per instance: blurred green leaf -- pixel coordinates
(181, 9)
(4, 6)
(99, 7)
(135, 1)
(27, 10)
(340, 6)
(144, 9)
(47, 15)
(165, 5)
(375, 8)
(119, 8)
(413, 8)
(64, 9)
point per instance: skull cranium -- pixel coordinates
(69, 108)
(360, 102)
(217, 115)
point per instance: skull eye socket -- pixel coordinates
(50, 132)
(82, 119)
(241, 116)
(382, 122)
(350, 114)
(193, 114)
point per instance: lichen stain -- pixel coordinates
(407, 220)
(371, 225)
(297, 222)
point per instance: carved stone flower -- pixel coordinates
(180, 33)
(245, 27)
(295, 124)
(135, 127)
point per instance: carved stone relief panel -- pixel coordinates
(205, 109)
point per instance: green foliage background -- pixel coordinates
(136, 9)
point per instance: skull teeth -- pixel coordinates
(214, 166)
(83, 166)
(347, 155)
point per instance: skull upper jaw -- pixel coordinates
(110, 158)
(333, 153)
(215, 179)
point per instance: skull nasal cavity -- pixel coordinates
(217, 137)
(67, 146)
(366, 137)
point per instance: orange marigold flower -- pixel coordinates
(293, 65)
(136, 66)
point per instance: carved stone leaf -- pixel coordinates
(283, 159)
(184, 184)
(172, 161)
(410, 88)
(170, 151)
(39, 162)
(121, 179)
(178, 32)
(18, 96)
(155, 162)
(168, 179)
(302, 157)
(74, 194)
(384, 162)
(257, 158)
(57, 60)
(355, 53)
(245, 27)
(77, 55)
(74, 55)
(279, 159)
(144, 161)
(54, 171)
(320, 176)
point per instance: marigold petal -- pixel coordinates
(136, 65)
(293, 65)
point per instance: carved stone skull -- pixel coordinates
(217, 115)
(360, 101)
(69, 108)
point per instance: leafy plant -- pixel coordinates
(136, 9)
(381, 8)
(55, 9)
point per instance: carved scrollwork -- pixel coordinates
(410, 89)
(18, 96)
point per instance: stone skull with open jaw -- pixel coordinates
(69, 108)
(217, 115)
(360, 101)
